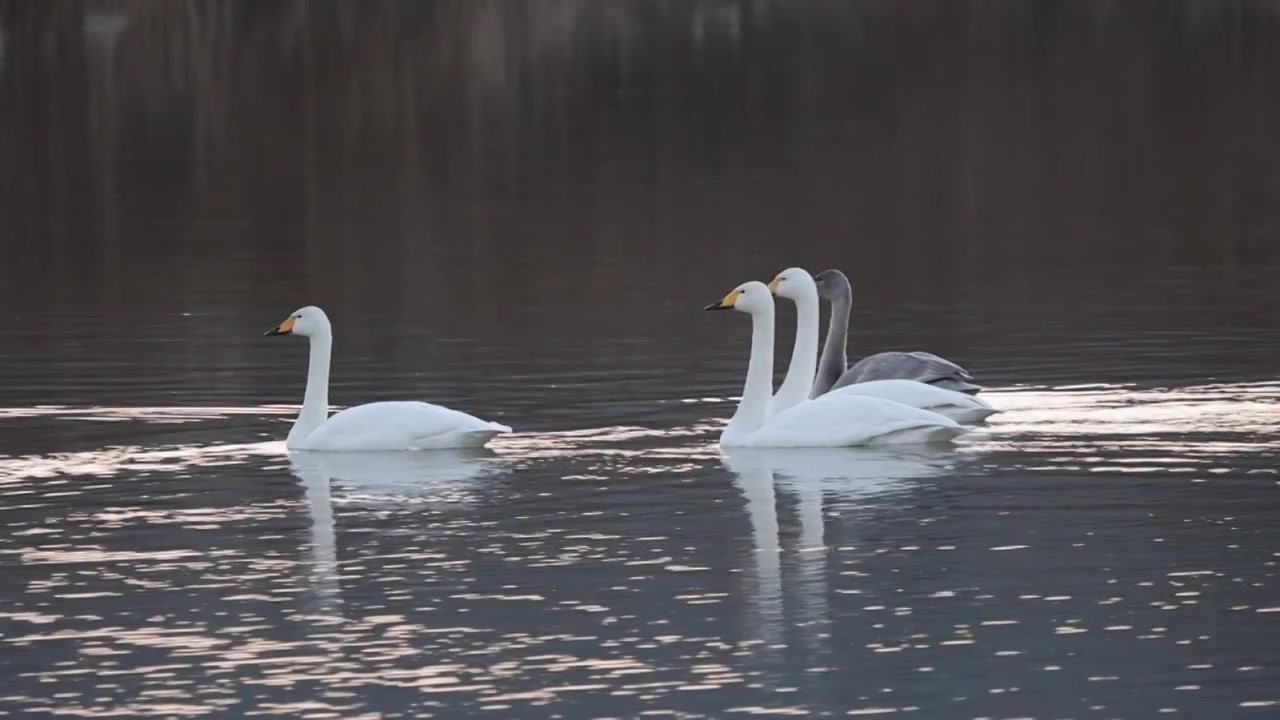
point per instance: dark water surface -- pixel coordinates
(517, 209)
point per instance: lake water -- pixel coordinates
(519, 210)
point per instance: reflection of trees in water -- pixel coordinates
(1140, 128)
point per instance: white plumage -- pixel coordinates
(379, 426)
(401, 425)
(798, 285)
(851, 420)
(837, 421)
(958, 406)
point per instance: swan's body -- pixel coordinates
(392, 425)
(798, 285)
(847, 421)
(834, 371)
(400, 425)
(840, 420)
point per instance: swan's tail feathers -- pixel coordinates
(488, 430)
(922, 434)
(983, 414)
(478, 436)
(943, 433)
(969, 416)
(963, 386)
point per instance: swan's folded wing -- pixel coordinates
(914, 393)
(939, 362)
(847, 420)
(398, 425)
(919, 366)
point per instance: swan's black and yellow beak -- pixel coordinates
(726, 303)
(773, 286)
(283, 328)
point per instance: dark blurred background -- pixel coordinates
(997, 176)
(518, 208)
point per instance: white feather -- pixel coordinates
(958, 406)
(380, 426)
(838, 420)
(851, 420)
(401, 425)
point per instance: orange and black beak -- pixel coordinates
(726, 303)
(284, 328)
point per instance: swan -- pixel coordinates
(797, 285)
(390, 425)
(925, 367)
(838, 420)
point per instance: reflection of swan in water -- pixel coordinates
(809, 473)
(755, 481)
(446, 476)
(323, 571)
(382, 477)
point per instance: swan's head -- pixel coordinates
(794, 284)
(751, 297)
(308, 321)
(832, 285)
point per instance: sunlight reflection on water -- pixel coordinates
(401, 554)
(1208, 419)
(518, 209)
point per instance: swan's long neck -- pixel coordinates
(804, 356)
(753, 410)
(315, 402)
(835, 358)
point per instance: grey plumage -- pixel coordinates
(924, 367)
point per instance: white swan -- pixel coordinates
(837, 420)
(797, 285)
(392, 425)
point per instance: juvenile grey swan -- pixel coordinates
(924, 367)
(797, 285)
